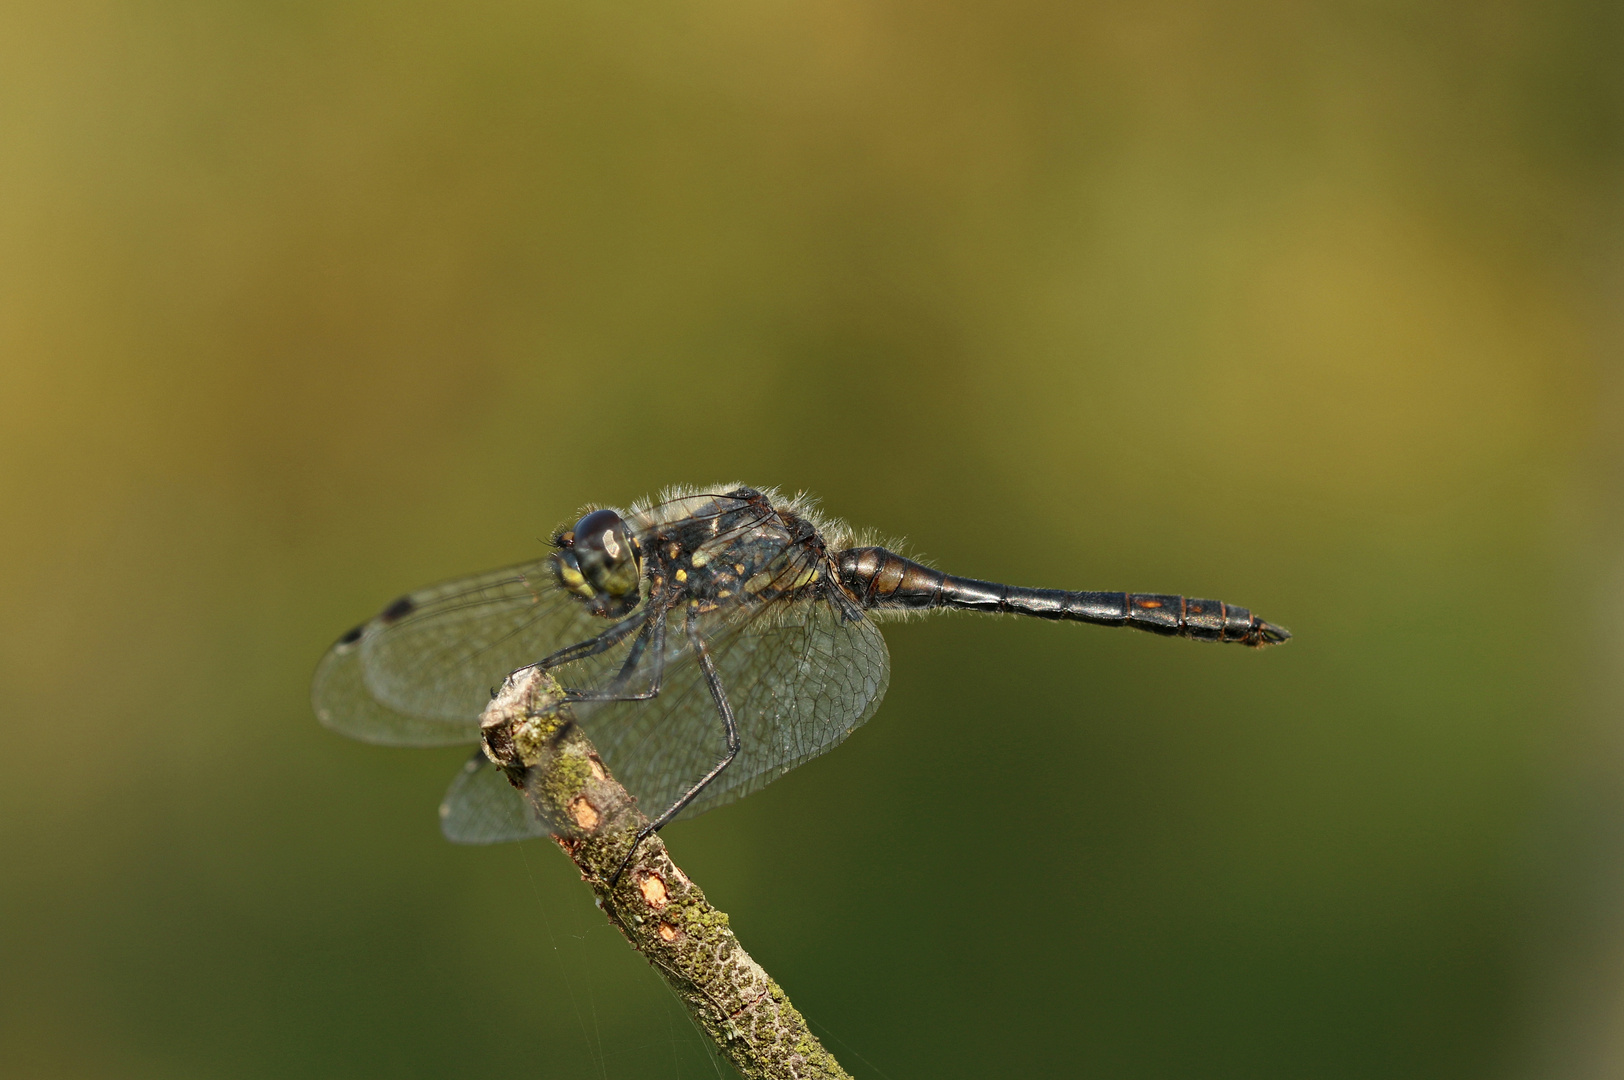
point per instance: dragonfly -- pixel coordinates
(707, 642)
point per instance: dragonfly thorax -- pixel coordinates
(731, 552)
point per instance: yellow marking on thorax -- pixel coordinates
(766, 579)
(807, 576)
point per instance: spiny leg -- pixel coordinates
(652, 633)
(592, 646)
(707, 664)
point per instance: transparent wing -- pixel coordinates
(481, 807)
(800, 673)
(420, 672)
(345, 704)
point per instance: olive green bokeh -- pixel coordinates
(1312, 308)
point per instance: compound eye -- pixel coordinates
(603, 547)
(603, 533)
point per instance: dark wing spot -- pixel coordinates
(398, 610)
(353, 636)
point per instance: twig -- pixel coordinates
(530, 734)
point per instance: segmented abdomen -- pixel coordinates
(881, 579)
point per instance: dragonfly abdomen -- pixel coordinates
(884, 579)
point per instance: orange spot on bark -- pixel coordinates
(668, 932)
(583, 812)
(653, 890)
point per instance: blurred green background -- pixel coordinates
(1315, 308)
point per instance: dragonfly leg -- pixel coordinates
(653, 632)
(590, 647)
(707, 664)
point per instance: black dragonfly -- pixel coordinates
(707, 642)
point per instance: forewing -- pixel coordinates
(481, 807)
(801, 675)
(420, 672)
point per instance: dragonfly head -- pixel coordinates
(598, 561)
